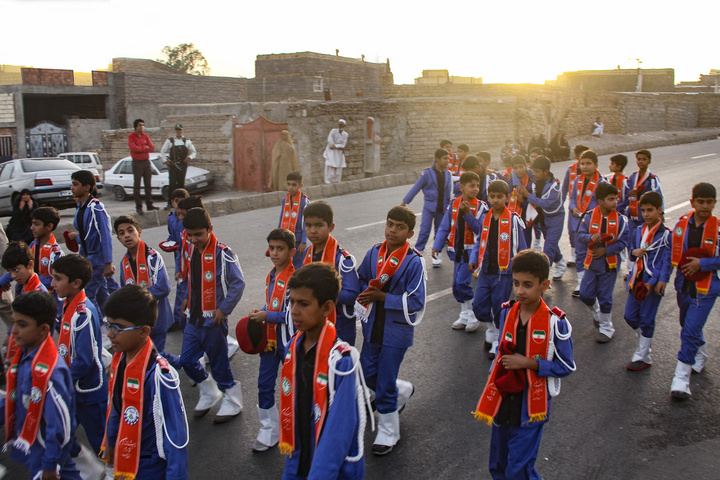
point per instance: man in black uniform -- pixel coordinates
(177, 151)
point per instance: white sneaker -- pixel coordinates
(210, 395)
(462, 320)
(560, 269)
(231, 404)
(700, 358)
(472, 325)
(233, 346)
(436, 262)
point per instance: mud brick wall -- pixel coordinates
(47, 76)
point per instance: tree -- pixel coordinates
(185, 58)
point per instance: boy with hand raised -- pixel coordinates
(390, 307)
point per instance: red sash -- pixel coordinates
(290, 212)
(42, 367)
(613, 228)
(184, 255)
(573, 173)
(617, 180)
(208, 285)
(646, 238)
(328, 256)
(289, 385)
(65, 339)
(387, 266)
(514, 204)
(504, 238)
(633, 200)
(537, 346)
(583, 196)
(469, 239)
(143, 278)
(277, 300)
(709, 244)
(44, 269)
(127, 443)
(452, 166)
(32, 284)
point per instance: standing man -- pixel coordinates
(177, 152)
(140, 148)
(334, 153)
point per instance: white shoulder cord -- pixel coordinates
(421, 313)
(76, 328)
(554, 382)
(362, 393)
(155, 270)
(226, 257)
(159, 415)
(343, 269)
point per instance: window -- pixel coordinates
(85, 158)
(125, 168)
(6, 146)
(7, 172)
(318, 84)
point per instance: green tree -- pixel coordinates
(185, 58)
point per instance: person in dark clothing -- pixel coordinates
(19, 225)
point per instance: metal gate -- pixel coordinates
(252, 153)
(46, 140)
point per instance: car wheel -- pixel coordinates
(119, 193)
(165, 193)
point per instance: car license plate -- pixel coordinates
(66, 193)
(202, 184)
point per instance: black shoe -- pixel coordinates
(487, 346)
(638, 366)
(602, 338)
(576, 294)
(152, 207)
(676, 395)
(570, 263)
(139, 211)
(380, 450)
(491, 355)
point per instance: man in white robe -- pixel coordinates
(334, 153)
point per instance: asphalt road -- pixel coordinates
(608, 423)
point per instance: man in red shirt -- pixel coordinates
(140, 148)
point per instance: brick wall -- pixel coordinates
(47, 76)
(7, 108)
(99, 78)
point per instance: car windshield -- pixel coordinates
(159, 164)
(33, 165)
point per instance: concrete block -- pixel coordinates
(313, 192)
(255, 201)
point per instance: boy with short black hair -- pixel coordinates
(39, 411)
(518, 202)
(473, 164)
(458, 229)
(145, 397)
(436, 185)
(292, 215)
(80, 345)
(570, 175)
(45, 248)
(18, 261)
(323, 398)
(602, 235)
(215, 286)
(172, 245)
(536, 351)
(144, 266)
(639, 182)
(650, 255)
(694, 251)
(616, 177)
(455, 166)
(391, 305)
(485, 158)
(500, 239)
(324, 248)
(582, 200)
(278, 330)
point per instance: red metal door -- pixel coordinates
(252, 153)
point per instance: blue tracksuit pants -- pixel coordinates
(381, 365)
(426, 224)
(462, 282)
(598, 286)
(513, 451)
(642, 314)
(212, 341)
(490, 293)
(693, 315)
(267, 376)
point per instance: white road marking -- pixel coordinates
(436, 295)
(703, 156)
(678, 206)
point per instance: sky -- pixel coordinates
(505, 41)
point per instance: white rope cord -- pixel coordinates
(173, 383)
(554, 383)
(405, 296)
(96, 357)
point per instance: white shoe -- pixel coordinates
(462, 320)
(233, 346)
(405, 391)
(606, 326)
(231, 404)
(388, 433)
(269, 434)
(88, 464)
(210, 395)
(680, 388)
(560, 269)
(700, 358)
(491, 333)
(472, 322)
(436, 262)
(537, 245)
(642, 354)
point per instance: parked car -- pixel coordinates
(48, 180)
(86, 160)
(119, 178)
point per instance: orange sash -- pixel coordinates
(613, 228)
(573, 173)
(328, 256)
(184, 255)
(387, 266)
(277, 300)
(633, 200)
(583, 197)
(709, 244)
(208, 285)
(646, 238)
(617, 180)
(127, 443)
(537, 346)
(44, 269)
(469, 239)
(289, 386)
(142, 269)
(504, 238)
(32, 284)
(65, 339)
(291, 210)
(42, 367)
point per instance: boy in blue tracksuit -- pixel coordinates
(571, 174)
(144, 265)
(172, 245)
(535, 353)
(292, 215)
(500, 239)
(458, 229)
(390, 307)
(520, 177)
(39, 412)
(696, 295)
(601, 237)
(325, 248)
(436, 185)
(650, 256)
(279, 330)
(472, 164)
(93, 236)
(582, 200)
(215, 286)
(547, 198)
(136, 416)
(323, 397)
(80, 345)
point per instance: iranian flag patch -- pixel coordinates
(538, 335)
(41, 368)
(322, 379)
(133, 384)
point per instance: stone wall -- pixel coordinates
(7, 108)
(85, 134)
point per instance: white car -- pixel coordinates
(86, 160)
(119, 179)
